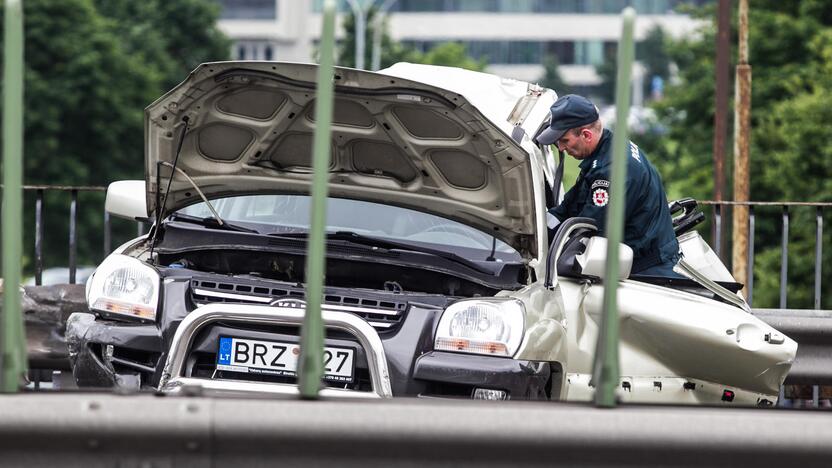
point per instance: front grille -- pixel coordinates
(380, 312)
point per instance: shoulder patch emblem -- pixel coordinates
(601, 183)
(600, 197)
(634, 152)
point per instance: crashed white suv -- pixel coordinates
(442, 279)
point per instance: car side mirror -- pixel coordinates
(127, 199)
(594, 259)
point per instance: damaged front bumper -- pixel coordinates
(112, 354)
(128, 356)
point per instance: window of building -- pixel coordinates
(558, 6)
(249, 9)
(254, 50)
(589, 52)
(522, 52)
(563, 50)
(530, 52)
(477, 5)
(422, 5)
(653, 7)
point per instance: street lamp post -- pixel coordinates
(378, 24)
(360, 31)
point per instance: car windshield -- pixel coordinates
(287, 214)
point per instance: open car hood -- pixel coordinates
(250, 129)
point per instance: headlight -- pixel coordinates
(124, 285)
(493, 327)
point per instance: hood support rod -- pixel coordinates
(160, 207)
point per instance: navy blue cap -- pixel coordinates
(568, 112)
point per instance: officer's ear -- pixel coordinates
(587, 134)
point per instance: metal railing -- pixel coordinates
(40, 193)
(73, 226)
(718, 208)
(786, 209)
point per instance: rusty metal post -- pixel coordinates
(742, 137)
(723, 51)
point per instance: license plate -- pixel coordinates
(277, 358)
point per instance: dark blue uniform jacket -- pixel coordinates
(648, 228)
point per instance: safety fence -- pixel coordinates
(65, 203)
(786, 211)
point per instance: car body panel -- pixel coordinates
(667, 333)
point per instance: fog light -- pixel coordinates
(490, 394)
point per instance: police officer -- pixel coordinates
(648, 229)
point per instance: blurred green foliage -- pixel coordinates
(391, 51)
(92, 66)
(790, 48)
(552, 78)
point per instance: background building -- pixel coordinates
(512, 36)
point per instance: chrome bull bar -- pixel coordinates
(173, 380)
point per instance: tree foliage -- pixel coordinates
(91, 67)
(391, 51)
(448, 54)
(552, 78)
(790, 47)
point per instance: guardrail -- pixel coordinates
(812, 329)
(97, 430)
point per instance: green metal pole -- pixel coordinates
(605, 372)
(13, 350)
(312, 334)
